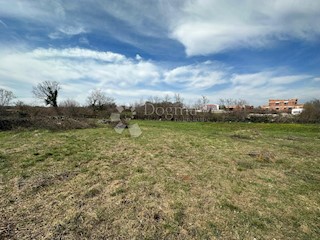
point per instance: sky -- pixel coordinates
(134, 49)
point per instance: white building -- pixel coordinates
(296, 111)
(212, 107)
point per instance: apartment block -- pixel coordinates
(283, 105)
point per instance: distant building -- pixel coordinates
(211, 107)
(296, 111)
(208, 108)
(283, 105)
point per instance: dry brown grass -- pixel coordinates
(176, 181)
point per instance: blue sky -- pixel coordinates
(131, 50)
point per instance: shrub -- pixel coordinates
(44, 123)
(311, 112)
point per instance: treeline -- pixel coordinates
(70, 114)
(171, 113)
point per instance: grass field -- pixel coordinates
(176, 181)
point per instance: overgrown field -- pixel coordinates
(176, 181)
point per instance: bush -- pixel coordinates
(44, 123)
(311, 112)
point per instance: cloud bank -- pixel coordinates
(210, 26)
(128, 79)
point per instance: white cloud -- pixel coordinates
(84, 40)
(198, 76)
(56, 35)
(265, 78)
(289, 79)
(128, 79)
(253, 79)
(3, 24)
(124, 20)
(49, 12)
(67, 31)
(104, 69)
(78, 70)
(70, 30)
(149, 18)
(203, 26)
(77, 53)
(210, 26)
(138, 57)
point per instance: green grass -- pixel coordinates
(178, 180)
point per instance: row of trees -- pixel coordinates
(102, 105)
(48, 92)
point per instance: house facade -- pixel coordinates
(283, 105)
(211, 107)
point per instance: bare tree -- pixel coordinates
(70, 107)
(178, 98)
(97, 99)
(157, 99)
(139, 102)
(230, 102)
(47, 91)
(227, 102)
(241, 102)
(154, 99)
(20, 104)
(150, 99)
(167, 98)
(222, 103)
(311, 112)
(205, 100)
(201, 102)
(5, 97)
(69, 103)
(198, 104)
